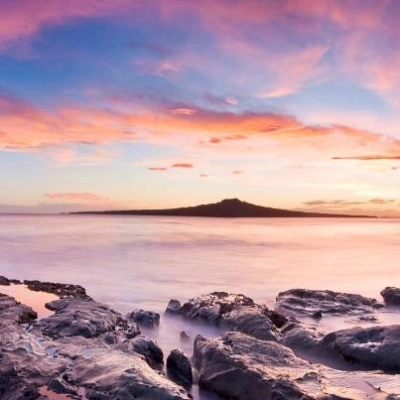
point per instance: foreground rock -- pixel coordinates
(84, 350)
(234, 312)
(179, 368)
(391, 296)
(74, 317)
(316, 303)
(241, 367)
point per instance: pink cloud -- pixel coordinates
(157, 169)
(76, 196)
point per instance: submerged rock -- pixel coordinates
(238, 366)
(184, 337)
(145, 319)
(234, 312)
(179, 368)
(391, 296)
(316, 303)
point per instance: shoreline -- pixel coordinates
(300, 326)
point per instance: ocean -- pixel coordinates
(136, 261)
(133, 262)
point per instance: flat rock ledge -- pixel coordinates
(316, 303)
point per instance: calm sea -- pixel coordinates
(137, 261)
(131, 262)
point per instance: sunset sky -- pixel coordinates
(163, 103)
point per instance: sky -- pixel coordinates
(152, 104)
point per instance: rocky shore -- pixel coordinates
(85, 350)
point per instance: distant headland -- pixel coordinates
(228, 208)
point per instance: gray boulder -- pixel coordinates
(179, 368)
(316, 303)
(226, 311)
(147, 347)
(238, 366)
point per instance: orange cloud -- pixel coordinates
(369, 157)
(27, 128)
(182, 165)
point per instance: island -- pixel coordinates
(228, 208)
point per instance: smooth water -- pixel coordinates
(131, 262)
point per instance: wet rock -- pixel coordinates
(146, 347)
(4, 281)
(184, 337)
(240, 367)
(370, 348)
(391, 296)
(13, 312)
(145, 319)
(77, 350)
(75, 317)
(303, 302)
(173, 307)
(229, 312)
(317, 315)
(179, 368)
(117, 375)
(59, 289)
(277, 319)
(376, 347)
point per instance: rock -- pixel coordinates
(74, 317)
(7, 282)
(59, 289)
(317, 315)
(370, 348)
(4, 281)
(145, 319)
(184, 337)
(117, 375)
(376, 347)
(84, 348)
(148, 348)
(179, 368)
(173, 307)
(13, 312)
(229, 312)
(391, 296)
(238, 366)
(303, 302)
(277, 319)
